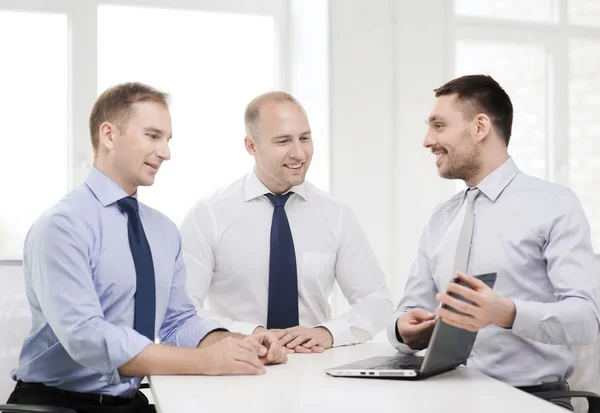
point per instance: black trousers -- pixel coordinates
(554, 386)
(37, 393)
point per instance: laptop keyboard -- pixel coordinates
(402, 363)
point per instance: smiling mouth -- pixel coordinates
(294, 166)
(155, 167)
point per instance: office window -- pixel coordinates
(584, 12)
(34, 107)
(522, 70)
(532, 10)
(584, 128)
(212, 64)
(550, 71)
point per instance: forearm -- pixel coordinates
(567, 322)
(164, 360)
(217, 336)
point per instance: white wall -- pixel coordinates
(385, 59)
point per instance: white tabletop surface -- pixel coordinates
(301, 386)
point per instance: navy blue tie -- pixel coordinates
(145, 291)
(283, 274)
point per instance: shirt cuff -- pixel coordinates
(122, 346)
(340, 331)
(242, 327)
(527, 320)
(197, 329)
(393, 336)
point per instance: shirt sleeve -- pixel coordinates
(57, 267)
(199, 234)
(419, 292)
(182, 327)
(362, 282)
(574, 317)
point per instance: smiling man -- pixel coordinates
(105, 278)
(266, 251)
(531, 232)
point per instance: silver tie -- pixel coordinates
(463, 246)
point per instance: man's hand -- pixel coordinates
(306, 340)
(415, 328)
(230, 356)
(275, 353)
(487, 308)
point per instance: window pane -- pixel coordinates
(522, 70)
(532, 10)
(584, 12)
(212, 64)
(33, 80)
(584, 128)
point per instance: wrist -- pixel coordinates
(259, 329)
(213, 337)
(327, 336)
(509, 312)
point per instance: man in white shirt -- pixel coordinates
(532, 233)
(266, 251)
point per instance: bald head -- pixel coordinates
(252, 112)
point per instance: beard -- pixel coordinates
(464, 163)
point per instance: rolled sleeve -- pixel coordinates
(60, 276)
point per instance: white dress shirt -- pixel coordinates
(226, 242)
(535, 236)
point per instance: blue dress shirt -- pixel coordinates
(80, 282)
(535, 236)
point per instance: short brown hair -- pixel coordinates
(482, 94)
(114, 105)
(252, 112)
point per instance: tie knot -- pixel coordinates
(472, 194)
(279, 200)
(128, 204)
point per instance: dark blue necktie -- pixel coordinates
(145, 291)
(283, 274)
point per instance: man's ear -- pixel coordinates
(250, 144)
(107, 135)
(483, 126)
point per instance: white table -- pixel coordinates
(301, 386)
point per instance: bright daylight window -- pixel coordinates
(547, 56)
(34, 106)
(212, 64)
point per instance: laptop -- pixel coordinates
(449, 347)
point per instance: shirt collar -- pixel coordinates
(254, 188)
(493, 184)
(104, 189)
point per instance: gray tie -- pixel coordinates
(463, 246)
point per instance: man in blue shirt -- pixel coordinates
(105, 277)
(532, 233)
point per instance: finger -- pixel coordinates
(310, 343)
(467, 327)
(421, 314)
(252, 345)
(240, 367)
(302, 350)
(459, 305)
(287, 338)
(301, 339)
(471, 281)
(458, 320)
(273, 346)
(424, 326)
(247, 357)
(318, 349)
